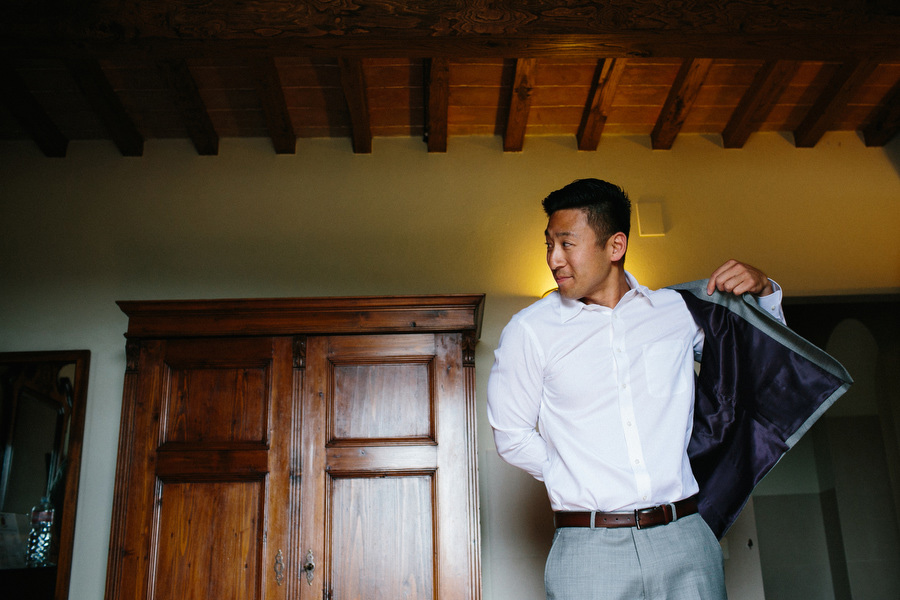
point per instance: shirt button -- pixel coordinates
(637, 461)
(628, 423)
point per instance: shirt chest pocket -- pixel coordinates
(665, 368)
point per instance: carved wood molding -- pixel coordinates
(300, 352)
(806, 29)
(132, 355)
(469, 341)
(303, 316)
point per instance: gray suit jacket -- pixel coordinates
(760, 388)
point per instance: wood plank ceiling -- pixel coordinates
(129, 71)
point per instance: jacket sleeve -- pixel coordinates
(760, 388)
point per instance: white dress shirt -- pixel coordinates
(597, 402)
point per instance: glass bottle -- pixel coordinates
(40, 538)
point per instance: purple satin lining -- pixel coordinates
(752, 394)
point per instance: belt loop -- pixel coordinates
(637, 519)
(674, 512)
(593, 523)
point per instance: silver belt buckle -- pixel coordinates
(637, 516)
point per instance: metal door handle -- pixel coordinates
(279, 567)
(309, 567)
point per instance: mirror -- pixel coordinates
(42, 411)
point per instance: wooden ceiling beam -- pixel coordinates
(353, 80)
(678, 104)
(274, 105)
(104, 101)
(519, 105)
(757, 102)
(885, 122)
(102, 32)
(437, 106)
(600, 99)
(833, 99)
(774, 29)
(30, 114)
(177, 75)
(821, 46)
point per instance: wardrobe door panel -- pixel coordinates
(227, 403)
(209, 540)
(382, 529)
(388, 477)
(383, 400)
(206, 462)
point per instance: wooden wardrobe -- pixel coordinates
(309, 449)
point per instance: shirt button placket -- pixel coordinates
(626, 405)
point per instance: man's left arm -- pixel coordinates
(738, 278)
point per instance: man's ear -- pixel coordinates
(617, 244)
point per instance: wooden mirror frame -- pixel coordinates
(81, 359)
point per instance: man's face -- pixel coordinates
(580, 266)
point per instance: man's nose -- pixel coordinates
(554, 258)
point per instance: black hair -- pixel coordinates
(606, 204)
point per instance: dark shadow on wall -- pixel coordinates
(892, 150)
(815, 544)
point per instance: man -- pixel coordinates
(592, 393)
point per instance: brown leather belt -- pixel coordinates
(641, 518)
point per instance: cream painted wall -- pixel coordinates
(79, 233)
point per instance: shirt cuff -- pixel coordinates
(772, 303)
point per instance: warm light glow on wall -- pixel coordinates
(641, 265)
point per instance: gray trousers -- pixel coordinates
(678, 561)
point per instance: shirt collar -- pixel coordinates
(569, 308)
